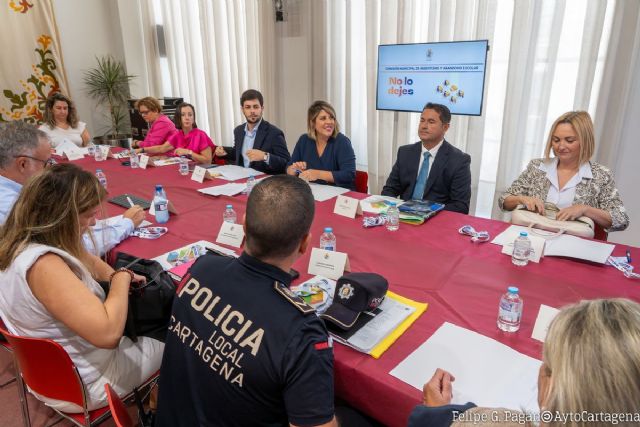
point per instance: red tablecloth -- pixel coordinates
(432, 263)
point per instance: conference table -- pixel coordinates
(432, 263)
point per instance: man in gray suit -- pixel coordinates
(432, 169)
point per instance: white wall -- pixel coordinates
(294, 85)
(88, 28)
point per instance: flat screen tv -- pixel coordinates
(449, 73)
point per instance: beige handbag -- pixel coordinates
(581, 227)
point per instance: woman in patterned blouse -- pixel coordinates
(570, 180)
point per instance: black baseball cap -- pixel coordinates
(355, 293)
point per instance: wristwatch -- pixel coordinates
(266, 157)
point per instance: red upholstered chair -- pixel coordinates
(47, 369)
(600, 233)
(22, 396)
(118, 409)
(362, 182)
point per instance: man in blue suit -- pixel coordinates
(257, 144)
(432, 169)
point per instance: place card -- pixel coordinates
(545, 316)
(231, 234)
(347, 206)
(143, 161)
(106, 151)
(200, 174)
(330, 264)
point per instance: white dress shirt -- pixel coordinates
(563, 197)
(433, 152)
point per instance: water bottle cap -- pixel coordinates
(251, 177)
(182, 157)
(513, 290)
(391, 203)
(328, 230)
(98, 170)
(158, 187)
(523, 234)
(229, 207)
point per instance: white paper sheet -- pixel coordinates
(234, 172)
(230, 189)
(486, 372)
(513, 231)
(575, 247)
(545, 316)
(322, 193)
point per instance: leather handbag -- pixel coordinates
(149, 304)
(581, 227)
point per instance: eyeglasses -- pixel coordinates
(46, 163)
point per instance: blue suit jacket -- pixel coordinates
(449, 179)
(269, 139)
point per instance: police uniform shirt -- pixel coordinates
(241, 351)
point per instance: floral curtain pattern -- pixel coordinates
(32, 68)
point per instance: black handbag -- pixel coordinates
(149, 304)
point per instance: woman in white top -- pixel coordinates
(61, 122)
(49, 288)
(570, 180)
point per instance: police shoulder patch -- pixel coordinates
(293, 298)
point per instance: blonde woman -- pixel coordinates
(49, 288)
(61, 122)
(569, 180)
(591, 365)
(323, 154)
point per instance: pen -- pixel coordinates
(629, 255)
(130, 201)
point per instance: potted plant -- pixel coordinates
(108, 85)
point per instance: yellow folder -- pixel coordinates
(420, 307)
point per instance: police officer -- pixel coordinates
(242, 350)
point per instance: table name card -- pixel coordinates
(347, 206)
(231, 234)
(328, 263)
(144, 161)
(200, 174)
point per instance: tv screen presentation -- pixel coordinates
(449, 73)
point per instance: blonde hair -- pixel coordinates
(312, 114)
(72, 114)
(592, 353)
(151, 103)
(48, 212)
(583, 127)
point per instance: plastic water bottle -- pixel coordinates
(510, 310)
(134, 161)
(102, 178)
(328, 240)
(229, 215)
(251, 182)
(97, 155)
(183, 167)
(91, 149)
(521, 249)
(161, 205)
(393, 217)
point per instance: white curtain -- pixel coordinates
(215, 51)
(348, 34)
(531, 104)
